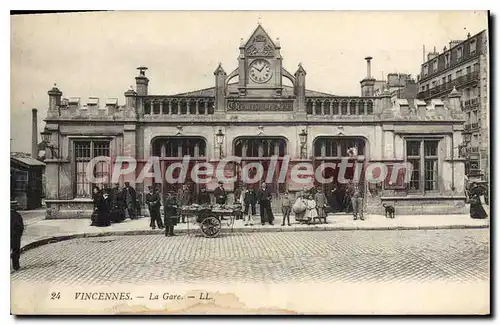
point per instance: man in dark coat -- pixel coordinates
(356, 195)
(203, 196)
(264, 197)
(153, 201)
(249, 201)
(321, 204)
(16, 232)
(183, 198)
(220, 194)
(170, 212)
(117, 205)
(130, 199)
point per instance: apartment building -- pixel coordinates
(464, 64)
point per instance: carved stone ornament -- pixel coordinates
(260, 47)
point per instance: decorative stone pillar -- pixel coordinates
(188, 109)
(331, 108)
(178, 107)
(206, 107)
(313, 107)
(197, 108)
(322, 107)
(161, 107)
(169, 109)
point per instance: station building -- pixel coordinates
(250, 113)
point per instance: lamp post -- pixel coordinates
(220, 140)
(303, 141)
(46, 134)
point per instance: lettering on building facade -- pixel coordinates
(234, 105)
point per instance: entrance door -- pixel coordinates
(331, 151)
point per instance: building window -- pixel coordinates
(20, 180)
(85, 151)
(423, 155)
(467, 70)
(459, 53)
(259, 148)
(329, 147)
(472, 49)
(426, 69)
(447, 60)
(459, 73)
(435, 65)
(449, 78)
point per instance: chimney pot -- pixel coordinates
(368, 67)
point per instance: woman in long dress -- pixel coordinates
(476, 208)
(101, 213)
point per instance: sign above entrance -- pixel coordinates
(281, 106)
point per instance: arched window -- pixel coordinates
(333, 147)
(172, 147)
(264, 147)
(352, 108)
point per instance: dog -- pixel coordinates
(389, 211)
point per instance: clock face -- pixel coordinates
(260, 71)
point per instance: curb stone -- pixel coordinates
(55, 239)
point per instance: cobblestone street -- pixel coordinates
(349, 256)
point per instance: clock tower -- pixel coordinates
(259, 66)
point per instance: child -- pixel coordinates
(286, 207)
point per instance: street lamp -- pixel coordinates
(220, 141)
(303, 140)
(46, 134)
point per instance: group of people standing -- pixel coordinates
(248, 198)
(112, 205)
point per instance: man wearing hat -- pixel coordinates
(220, 194)
(16, 232)
(130, 199)
(154, 203)
(170, 213)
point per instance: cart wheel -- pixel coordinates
(210, 227)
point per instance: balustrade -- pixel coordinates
(339, 106)
(177, 106)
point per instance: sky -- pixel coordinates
(96, 54)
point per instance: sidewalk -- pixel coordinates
(40, 231)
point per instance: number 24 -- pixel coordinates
(55, 295)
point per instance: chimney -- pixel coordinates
(34, 134)
(141, 82)
(368, 67)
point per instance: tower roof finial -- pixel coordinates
(259, 20)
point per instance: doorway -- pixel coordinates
(331, 152)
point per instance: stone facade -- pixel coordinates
(256, 106)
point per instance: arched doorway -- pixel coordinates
(172, 150)
(330, 153)
(261, 150)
